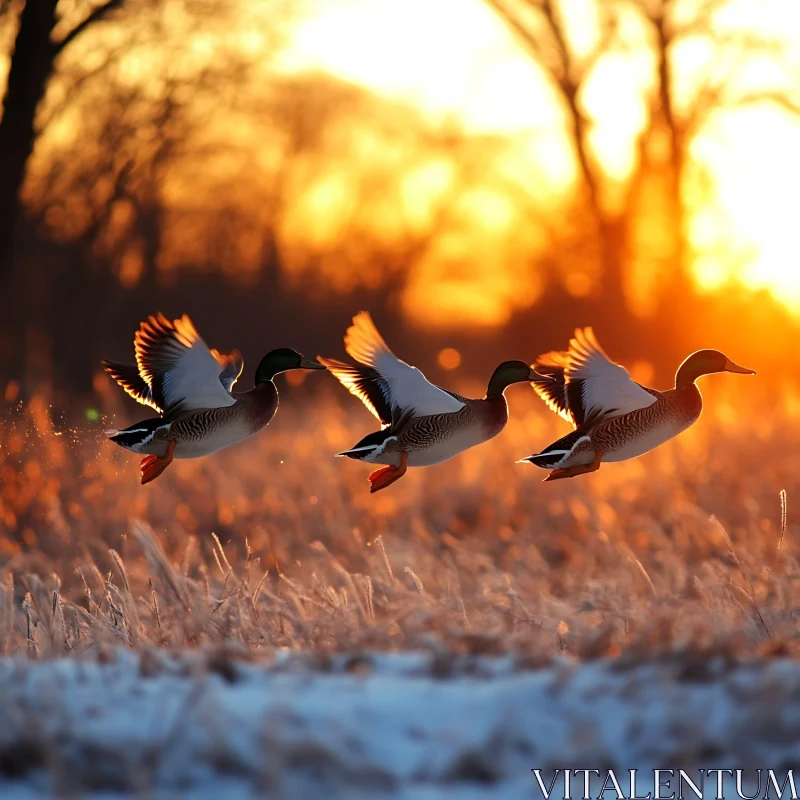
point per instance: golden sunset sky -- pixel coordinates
(455, 58)
(450, 61)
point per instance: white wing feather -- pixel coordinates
(409, 389)
(231, 366)
(178, 365)
(607, 387)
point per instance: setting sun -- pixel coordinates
(477, 72)
(750, 232)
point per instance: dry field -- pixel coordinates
(275, 544)
(439, 639)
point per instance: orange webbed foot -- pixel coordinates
(382, 478)
(571, 472)
(152, 466)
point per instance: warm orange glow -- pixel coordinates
(757, 173)
(369, 187)
(449, 358)
(476, 70)
(450, 56)
(295, 377)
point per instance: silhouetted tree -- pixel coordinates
(36, 47)
(662, 146)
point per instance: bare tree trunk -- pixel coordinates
(31, 66)
(611, 230)
(613, 241)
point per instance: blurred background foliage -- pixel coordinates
(483, 175)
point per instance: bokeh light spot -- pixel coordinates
(449, 358)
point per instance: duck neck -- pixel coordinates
(266, 370)
(687, 399)
(497, 413)
(496, 388)
(264, 382)
(686, 375)
(267, 387)
(261, 403)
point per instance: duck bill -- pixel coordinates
(731, 367)
(537, 377)
(307, 363)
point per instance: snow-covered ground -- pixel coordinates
(377, 726)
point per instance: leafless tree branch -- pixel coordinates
(780, 99)
(98, 13)
(515, 22)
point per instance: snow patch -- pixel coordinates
(376, 726)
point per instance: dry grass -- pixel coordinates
(274, 543)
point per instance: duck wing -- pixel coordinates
(128, 377)
(588, 385)
(386, 385)
(231, 365)
(556, 393)
(366, 383)
(180, 369)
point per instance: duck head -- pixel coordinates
(282, 360)
(706, 362)
(512, 372)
